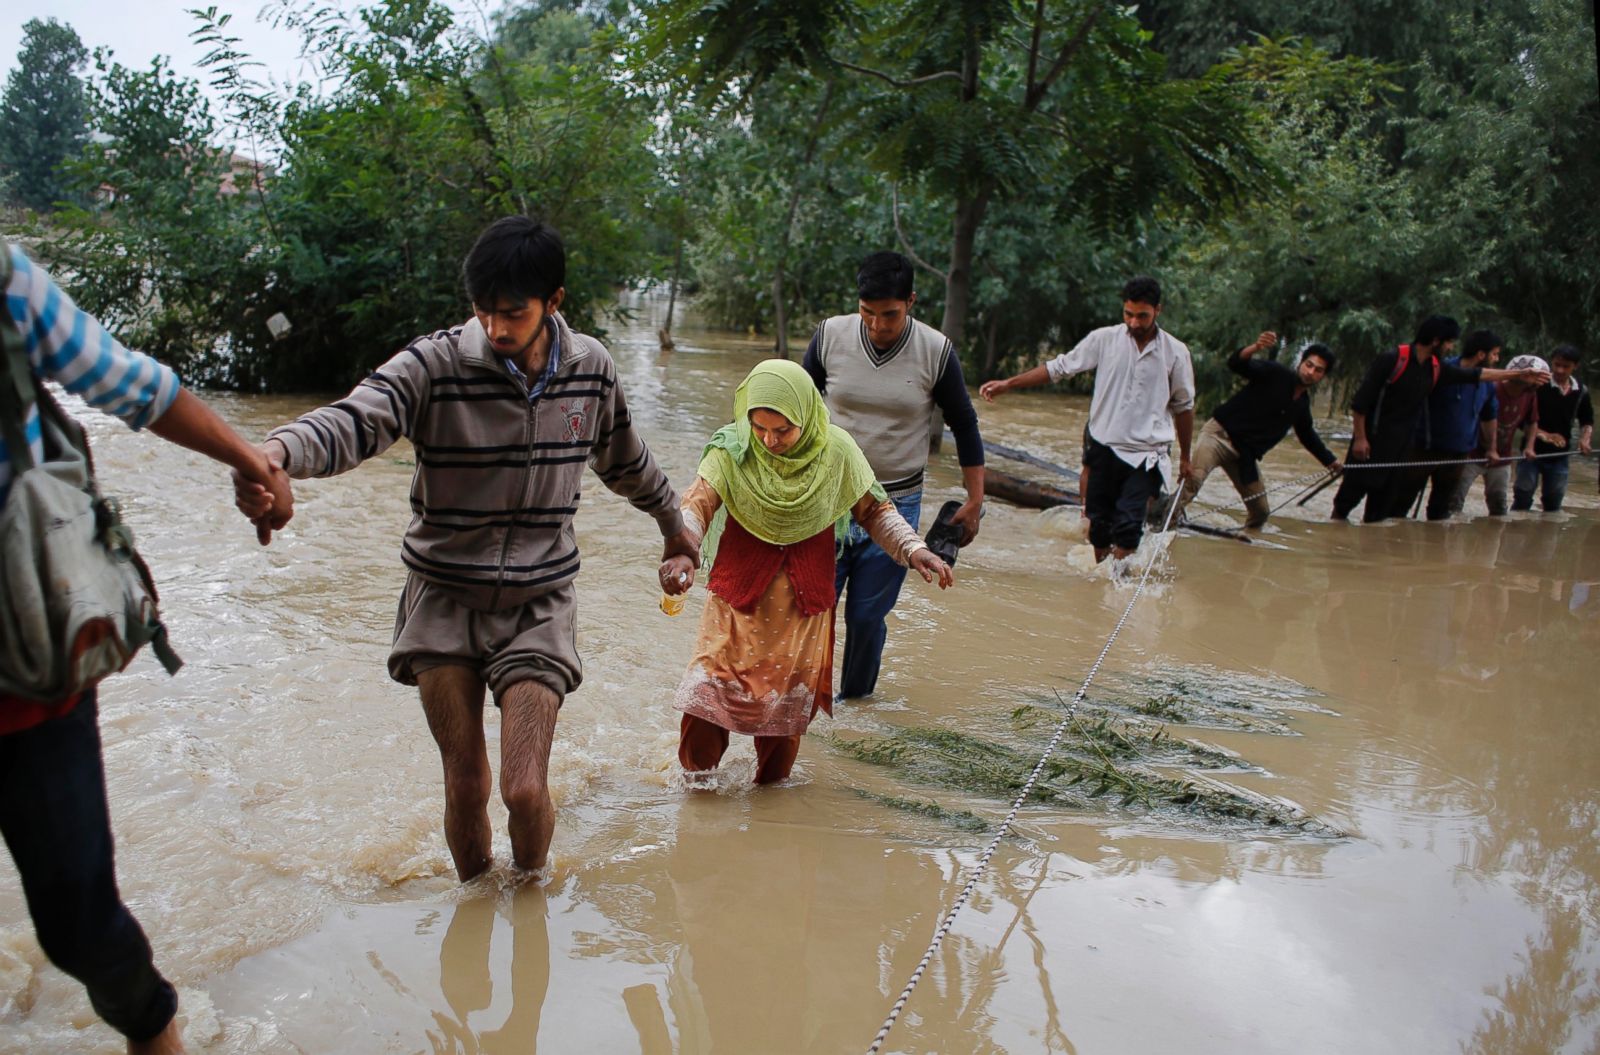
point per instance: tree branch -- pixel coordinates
(941, 75)
(1068, 50)
(905, 243)
(1033, 47)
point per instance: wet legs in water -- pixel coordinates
(701, 745)
(452, 699)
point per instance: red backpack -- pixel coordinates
(1403, 360)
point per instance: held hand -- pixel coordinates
(264, 496)
(967, 516)
(1529, 452)
(1335, 467)
(1584, 447)
(1494, 461)
(1360, 450)
(1185, 468)
(683, 544)
(989, 389)
(677, 575)
(930, 566)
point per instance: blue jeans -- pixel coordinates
(874, 582)
(1549, 475)
(54, 818)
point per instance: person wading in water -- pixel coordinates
(504, 411)
(775, 489)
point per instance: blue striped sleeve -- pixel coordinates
(71, 347)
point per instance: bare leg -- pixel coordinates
(452, 698)
(168, 1042)
(527, 726)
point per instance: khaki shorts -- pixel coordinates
(536, 641)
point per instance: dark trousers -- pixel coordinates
(869, 581)
(54, 818)
(1117, 497)
(1410, 482)
(1548, 475)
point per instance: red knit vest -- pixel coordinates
(745, 567)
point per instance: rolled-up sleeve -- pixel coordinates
(1086, 356)
(1180, 383)
(69, 346)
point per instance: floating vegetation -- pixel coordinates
(965, 820)
(1095, 761)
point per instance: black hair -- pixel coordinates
(1321, 351)
(1437, 328)
(1479, 341)
(515, 258)
(1142, 289)
(1567, 352)
(884, 276)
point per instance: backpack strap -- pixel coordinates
(17, 390)
(1403, 360)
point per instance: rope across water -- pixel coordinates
(982, 866)
(1016, 806)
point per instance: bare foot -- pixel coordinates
(168, 1042)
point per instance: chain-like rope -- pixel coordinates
(1027, 788)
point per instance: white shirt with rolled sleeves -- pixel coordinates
(1136, 392)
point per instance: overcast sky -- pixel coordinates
(138, 30)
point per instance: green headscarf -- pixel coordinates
(789, 497)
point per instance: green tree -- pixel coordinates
(979, 104)
(43, 114)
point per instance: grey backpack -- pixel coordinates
(76, 601)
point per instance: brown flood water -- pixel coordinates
(277, 805)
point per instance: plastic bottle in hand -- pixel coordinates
(672, 604)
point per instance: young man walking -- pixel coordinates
(53, 809)
(1461, 422)
(1518, 405)
(1253, 421)
(882, 374)
(1562, 402)
(504, 411)
(1389, 408)
(1143, 399)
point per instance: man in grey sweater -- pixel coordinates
(882, 374)
(504, 412)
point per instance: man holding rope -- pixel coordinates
(1387, 410)
(1255, 419)
(1143, 399)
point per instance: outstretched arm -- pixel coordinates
(190, 423)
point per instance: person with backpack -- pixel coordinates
(1461, 424)
(1389, 407)
(53, 810)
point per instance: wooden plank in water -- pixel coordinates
(1026, 493)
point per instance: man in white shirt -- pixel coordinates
(1143, 399)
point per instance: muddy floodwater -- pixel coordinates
(1414, 707)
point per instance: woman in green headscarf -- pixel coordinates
(775, 488)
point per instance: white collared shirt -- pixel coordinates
(1136, 391)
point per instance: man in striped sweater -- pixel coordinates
(53, 810)
(883, 374)
(504, 412)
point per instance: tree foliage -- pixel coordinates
(43, 114)
(1331, 171)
